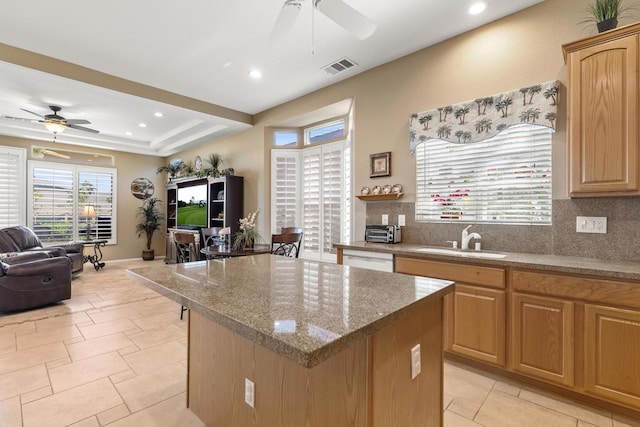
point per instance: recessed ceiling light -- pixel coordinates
(142, 125)
(128, 133)
(255, 74)
(158, 114)
(477, 8)
(227, 65)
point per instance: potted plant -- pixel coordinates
(605, 13)
(215, 161)
(150, 221)
(248, 235)
(173, 168)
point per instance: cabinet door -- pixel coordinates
(477, 326)
(602, 119)
(612, 354)
(542, 338)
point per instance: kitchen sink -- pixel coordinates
(457, 252)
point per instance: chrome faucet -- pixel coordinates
(466, 236)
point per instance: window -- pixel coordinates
(285, 138)
(505, 179)
(69, 202)
(325, 132)
(311, 189)
(12, 186)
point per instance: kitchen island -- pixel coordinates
(324, 344)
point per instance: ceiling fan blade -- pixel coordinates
(21, 119)
(31, 112)
(347, 17)
(78, 122)
(54, 153)
(72, 126)
(286, 19)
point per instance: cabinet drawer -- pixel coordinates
(601, 291)
(472, 274)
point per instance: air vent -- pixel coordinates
(338, 66)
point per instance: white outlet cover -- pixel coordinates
(401, 220)
(385, 219)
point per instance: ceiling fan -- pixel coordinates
(56, 123)
(336, 10)
(40, 152)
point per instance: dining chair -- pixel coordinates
(210, 236)
(286, 244)
(289, 230)
(185, 252)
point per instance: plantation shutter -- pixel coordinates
(332, 196)
(311, 199)
(505, 179)
(12, 186)
(70, 202)
(285, 189)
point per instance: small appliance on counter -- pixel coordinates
(382, 234)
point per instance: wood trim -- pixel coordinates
(618, 33)
(476, 275)
(601, 291)
(373, 197)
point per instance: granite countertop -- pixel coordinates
(626, 270)
(305, 310)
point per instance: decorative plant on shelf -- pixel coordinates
(605, 13)
(174, 167)
(215, 161)
(248, 235)
(151, 218)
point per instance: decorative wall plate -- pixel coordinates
(376, 190)
(386, 189)
(142, 188)
(397, 188)
(365, 191)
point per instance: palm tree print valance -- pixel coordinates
(483, 118)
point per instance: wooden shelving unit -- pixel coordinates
(372, 197)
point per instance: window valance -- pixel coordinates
(483, 118)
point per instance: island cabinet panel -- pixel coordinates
(477, 325)
(542, 338)
(368, 384)
(602, 115)
(474, 315)
(612, 350)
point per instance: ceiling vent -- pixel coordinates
(338, 66)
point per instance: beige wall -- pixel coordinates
(516, 51)
(130, 166)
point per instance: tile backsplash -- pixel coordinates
(621, 242)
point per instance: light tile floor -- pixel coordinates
(115, 355)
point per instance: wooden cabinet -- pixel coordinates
(172, 206)
(226, 197)
(612, 353)
(603, 149)
(474, 312)
(542, 338)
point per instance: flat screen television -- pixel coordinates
(192, 206)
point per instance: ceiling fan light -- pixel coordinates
(55, 127)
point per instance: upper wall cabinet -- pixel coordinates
(602, 114)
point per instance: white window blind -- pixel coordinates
(311, 185)
(69, 202)
(12, 186)
(506, 179)
(332, 196)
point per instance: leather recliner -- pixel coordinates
(19, 239)
(33, 279)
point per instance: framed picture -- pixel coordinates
(380, 164)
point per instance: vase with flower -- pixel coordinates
(248, 235)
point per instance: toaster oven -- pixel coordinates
(382, 233)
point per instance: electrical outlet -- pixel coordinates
(591, 224)
(416, 366)
(385, 219)
(249, 392)
(401, 220)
